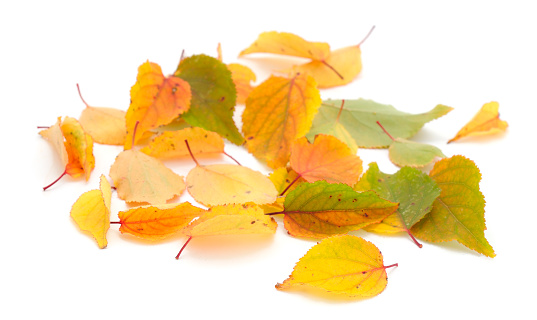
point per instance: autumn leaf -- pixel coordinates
(155, 100)
(171, 144)
(157, 222)
(74, 146)
(230, 220)
(342, 264)
(242, 77)
(486, 121)
(459, 212)
(414, 190)
(328, 68)
(91, 212)
(288, 44)
(220, 184)
(359, 118)
(213, 96)
(404, 152)
(326, 159)
(321, 209)
(104, 125)
(277, 112)
(142, 178)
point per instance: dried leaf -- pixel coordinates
(321, 209)
(91, 212)
(404, 152)
(288, 44)
(359, 118)
(213, 96)
(486, 121)
(155, 100)
(104, 125)
(459, 212)
(242, 77)
(327, 159)
(141, 178)
(342, 264)
(158, 222)
(171, 144)
(277, 112)
(221, 184)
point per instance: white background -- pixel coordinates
(459, 53)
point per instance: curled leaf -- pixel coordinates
(341, 264)
(486, 121)
(91, 212)
(157, 222)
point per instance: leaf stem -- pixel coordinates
(191, 154)
(182, 248)
(80, 94)
(386, 132)
(232, 158)
(115, 222)
(289, 186)
(340, 110)
(333, 69)
(43, 127)
(367, 36)
(61, 176)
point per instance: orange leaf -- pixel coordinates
(155, 100)
(327, 159)
(486, 121)
(171, 144)
(141, 178)
(158, 222)
(242, 77)
(91, 212)
(277, 112)
(74, 146)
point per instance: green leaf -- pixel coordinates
(404, 152)
(321, 209)
(414, 190)
(359, 118)
(213, 96)
(459, 212)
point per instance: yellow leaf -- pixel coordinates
(141, 178)
(342, 264)
(155, 100)
(231, 219)
(158, 222)
(91, 212)
(340, 68)
(242, 77)
(486, 121)
(54, 135)
(288, 44)
(277, 112)
(104, 125)
(221, 184)
(171, 144)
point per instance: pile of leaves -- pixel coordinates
(317, 181)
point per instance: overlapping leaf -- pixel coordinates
(141, 178)
(91, 212)
(158, 222)
(277, 112)
(155, 100)
(359, 118)
(404, 152)
(171, 144)
(321, 209)
(459, 212)
(213, 96)
(341, 264)
(326, 159)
